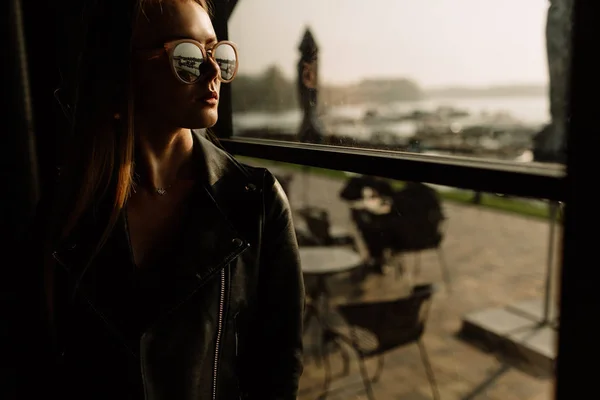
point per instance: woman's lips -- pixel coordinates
(211, 98)
(212, 101)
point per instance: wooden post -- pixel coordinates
(308, 82)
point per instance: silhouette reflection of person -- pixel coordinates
(549, 144)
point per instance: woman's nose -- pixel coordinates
(210, 69)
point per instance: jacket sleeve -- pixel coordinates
(277, 344)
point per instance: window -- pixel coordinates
(535, 172)
(466, 77)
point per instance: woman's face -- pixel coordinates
(159, 95)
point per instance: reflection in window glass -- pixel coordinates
(466, 77)
(370, 250)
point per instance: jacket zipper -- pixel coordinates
(220, 317)
(237, 353)
(219, 333)
(235, 328)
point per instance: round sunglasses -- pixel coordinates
(187, 56)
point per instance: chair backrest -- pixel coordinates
(417, 218)
(373, 230)
(392, 323)
(317, 222)
(415, 222)
(417, 200)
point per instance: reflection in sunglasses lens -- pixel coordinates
(226, 58)
(187, 58)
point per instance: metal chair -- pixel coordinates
(375, 328)
(415, 222)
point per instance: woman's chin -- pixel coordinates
(206, 118)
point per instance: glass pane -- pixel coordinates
(491, 325)
(476, 78)
(227, 59)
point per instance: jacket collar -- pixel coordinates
(214, 162)
(214, 236)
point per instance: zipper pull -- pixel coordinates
(235, 330)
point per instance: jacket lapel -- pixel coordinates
(210, 240)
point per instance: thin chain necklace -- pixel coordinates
(162, 191)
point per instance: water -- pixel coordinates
(531, 110)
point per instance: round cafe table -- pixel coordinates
(322, 262)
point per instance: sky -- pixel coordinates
(435, 42)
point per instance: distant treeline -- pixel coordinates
(273, 91)
(269, 91)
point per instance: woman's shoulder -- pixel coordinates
(265, 178)
(226, 172)
(261, 177)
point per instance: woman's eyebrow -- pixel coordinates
(206, 40)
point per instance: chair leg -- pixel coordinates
(379, 369)
(444, 267)
(331, 339)
(311, 313)
(345, 358)
(327, 367)
(365, 378)
(308, 315)
(417, 264)
(398, 263)
(429, 370)
(321, 310)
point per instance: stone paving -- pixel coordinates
(494, 259)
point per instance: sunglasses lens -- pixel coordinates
(187, 58)
(226, 57)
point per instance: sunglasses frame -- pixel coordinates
(169, 48)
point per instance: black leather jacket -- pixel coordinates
(224, 320)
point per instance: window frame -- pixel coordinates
(522, 180)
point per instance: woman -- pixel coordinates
(171, 270)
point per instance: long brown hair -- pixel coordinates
(98, 163)
(98, 153)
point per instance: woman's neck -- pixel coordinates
(163, 155)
